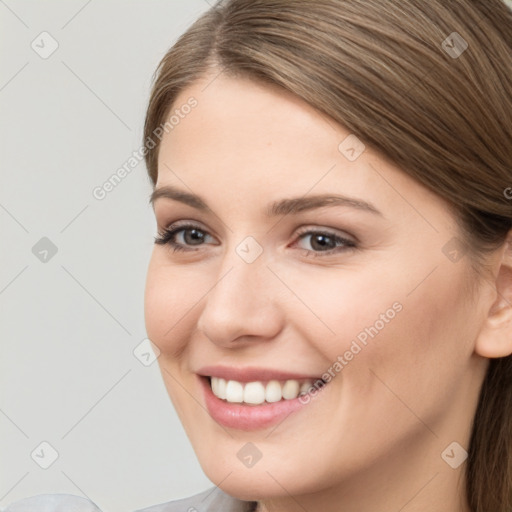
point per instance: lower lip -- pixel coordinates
(249, 417)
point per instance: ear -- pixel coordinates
(495, 337)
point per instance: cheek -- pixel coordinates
(342, 310)
(166, 310)
(421, 357)
(382, 325)
(166, 306)
(441, 321)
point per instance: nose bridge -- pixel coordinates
(239, 302)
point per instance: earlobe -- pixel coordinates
(495, 338)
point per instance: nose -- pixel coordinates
(242, 303)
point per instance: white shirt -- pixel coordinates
(211, 500)
(52, 503)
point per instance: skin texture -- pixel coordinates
(373, 439)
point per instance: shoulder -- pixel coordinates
(211, 500)
(52, 503)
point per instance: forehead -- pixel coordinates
(258, 142)
(231, 111)
(252, 133)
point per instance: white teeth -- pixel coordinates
(234, 391)
(221, 389)
(254, 393)
(291, 389)
(273, 391)
(258, 392)
(305, 387)
(214, 383)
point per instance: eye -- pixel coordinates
(324, 242)
(169, 235)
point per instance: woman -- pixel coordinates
(330, 290)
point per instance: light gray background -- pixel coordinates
(68, 326)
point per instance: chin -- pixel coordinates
(251, 486)
(275, 477)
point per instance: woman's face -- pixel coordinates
(366, 291)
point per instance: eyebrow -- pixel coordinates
(281, 207)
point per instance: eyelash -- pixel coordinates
(167, 238)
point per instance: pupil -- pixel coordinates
(321, 237)
(196, 235)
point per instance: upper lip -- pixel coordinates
(251, 374)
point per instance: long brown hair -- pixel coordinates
(426, 83)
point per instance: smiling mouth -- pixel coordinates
(262, 392)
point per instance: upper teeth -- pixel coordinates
(258, 392)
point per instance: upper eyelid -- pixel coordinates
(164, 212)
(186, 226)
(329, 231)
(173, 226)
(306, 230)
(348, 245)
